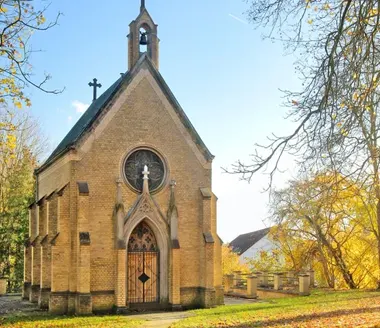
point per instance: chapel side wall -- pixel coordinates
(60, 178)
(218, 279)
(55, 176)
(143, 121)
(60, 253)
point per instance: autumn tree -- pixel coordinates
(325, 220)
(20, 147)
(230, 261)
(336, 111)
(20, 19)
(270, 260)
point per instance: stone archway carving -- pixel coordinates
(160, 230)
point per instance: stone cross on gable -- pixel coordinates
(95, 85)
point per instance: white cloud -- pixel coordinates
(238, 19)
(79, 106)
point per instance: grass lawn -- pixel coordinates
(321, 309)
(38, 321)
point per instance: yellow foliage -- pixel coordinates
(328, 223)
(231, 262)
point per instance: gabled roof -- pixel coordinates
(93, 112)
(142, 12)
(241, 243)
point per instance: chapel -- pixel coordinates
(124, 216)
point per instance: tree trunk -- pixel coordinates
(336, 253)
(378, 240)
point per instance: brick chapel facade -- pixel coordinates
(124, 215)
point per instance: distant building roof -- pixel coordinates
(241, 243)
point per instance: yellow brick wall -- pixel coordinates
(61, 250)
(55, 176)
(142, 121)
(53, 212)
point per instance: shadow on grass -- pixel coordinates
(307, 317)
(46, 317)
(235, 309)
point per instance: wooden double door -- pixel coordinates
(143, 266)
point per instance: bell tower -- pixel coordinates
(143, 38)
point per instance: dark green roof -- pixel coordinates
(85, 120)
(92, 113)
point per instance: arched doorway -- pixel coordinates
(143, 266)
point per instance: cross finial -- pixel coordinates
(145, 178)
(95, 85)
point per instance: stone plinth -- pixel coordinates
(3, 287)
(228, 283)
(252, 287)
(277, 281)
(304, 282)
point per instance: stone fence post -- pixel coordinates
(264, 280)
(304, 282)
(312, 278)
(252, 286)
(277, 281)
(3, 286)
(228, 283)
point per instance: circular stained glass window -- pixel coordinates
(134, 166)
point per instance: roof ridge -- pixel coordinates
(244, 241)
(92, 113)
(76, 131)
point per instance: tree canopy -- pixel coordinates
(336, 111)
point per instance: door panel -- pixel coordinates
(143, 277)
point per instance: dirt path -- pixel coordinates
(12, 304)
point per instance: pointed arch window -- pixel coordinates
(142, 239)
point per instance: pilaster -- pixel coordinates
(60, 252)
(36, 256)
(45, 281)
(175, 294)
(120, 251)
(120, 283)
(27, 269)
(83, 304)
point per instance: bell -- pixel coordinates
(143, 39)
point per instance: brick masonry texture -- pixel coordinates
(81, 275)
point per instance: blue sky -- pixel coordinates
(224, 75)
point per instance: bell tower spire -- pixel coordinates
(143, 38)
